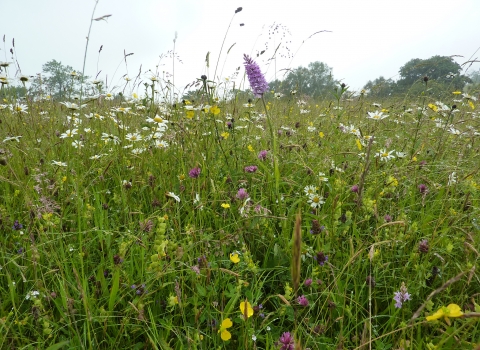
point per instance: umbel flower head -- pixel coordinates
(257, 81)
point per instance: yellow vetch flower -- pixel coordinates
(225, 205)
(321, 134)
(246, 309)
(250, 148)
(224, 334)
(452, 310)
(470, 103)
(234, 258)
(432, 107)
(456, 92)
(225, 135)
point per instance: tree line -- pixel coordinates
(316, 80)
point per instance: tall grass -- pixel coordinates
(149, 223)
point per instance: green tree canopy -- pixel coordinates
(381, 87)
(442, 69)
(58, 80)
(315, 80)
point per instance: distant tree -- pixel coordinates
(381, 87)
(441, 69)
(475, 77)
(315, 80)
(57, 80)
(474, 86)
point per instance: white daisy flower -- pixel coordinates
(315, 200)
(173, 195)
(385, 155)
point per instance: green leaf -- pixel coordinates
(201, 290)
(59, 345)
(114, 290)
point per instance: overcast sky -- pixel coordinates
(367, 39)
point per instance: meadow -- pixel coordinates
(234, 221)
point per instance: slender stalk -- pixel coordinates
(86, 49)
(274, 150)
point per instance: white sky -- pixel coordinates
(368, 38)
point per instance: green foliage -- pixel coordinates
(441, 69)
(58, 81)
(381, 87)
(315, 80)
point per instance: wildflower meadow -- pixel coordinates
(238, 217)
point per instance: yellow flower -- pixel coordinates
(234, 258)
(172, 300)
(359, 145)
(225, 135)
(215, 110)
(452, 310)
(456, 92)
(190, 114)
(224, 334)
(225, 205)
(321, 134)
(250, 148)
(246, 309)
(432, 107)
(470, 103)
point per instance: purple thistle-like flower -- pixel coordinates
(387, 218)
(302, 300)
(286, 341)
(401, 296)
(354, 189)
(242, 194)
(194, 173)
(250, 169)
(262, 155)
(308, 282)
(257, 81)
